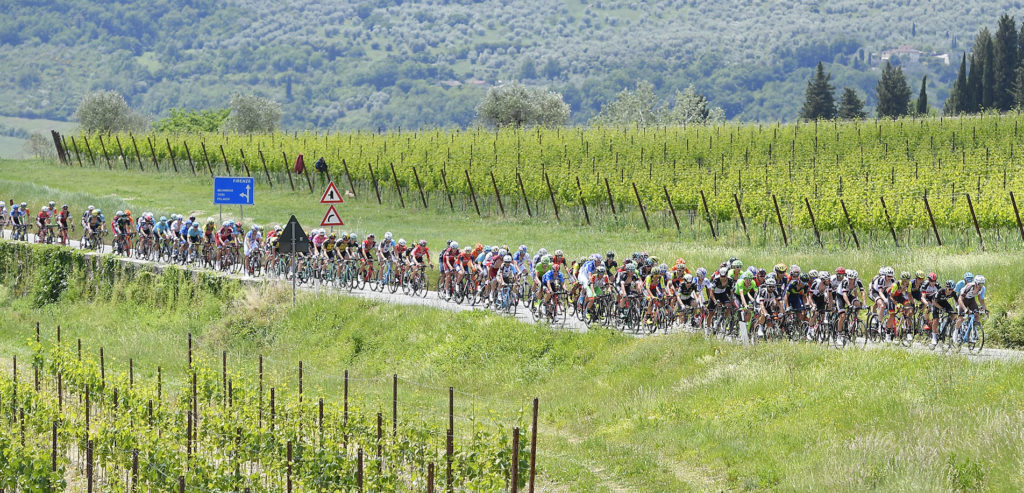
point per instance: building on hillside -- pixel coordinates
(908, 55)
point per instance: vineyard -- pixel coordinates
(888, 176)
(76, 422)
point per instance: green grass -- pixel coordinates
(14, 148)
(672, 413)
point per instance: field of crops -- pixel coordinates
(78, 421)
(808, 168)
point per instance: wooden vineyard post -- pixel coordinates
(707, 213)
(171, 154)
(398, 187)
(120, 151)
(288, 473)
(551, 193)
(88, 464)
(53, 448)
(447, 193)
(373, 178)
(152, 153)
(814, 224)
(497, 195)
(450, 440)
(889, 221)
(533, 445)
(189, 155)
(394, 405)
(308, 180)
(359, 470)
(931, 218)
(244, 164)
(583, 203)
(88, 149)
(103, 148)
(778, 215)
(743, 221)
(351, 185)
(77, 155)
(515, 460)
(423, 198)
(137, 156)
(974, 218)
(206, 157)
(1016, 213)
(668, 200)
(288, 170)
(850, 224)
(430, 477)
(472, 192)
(611, 202)
(640, 203)
(522, 190)
(265, 170)
(227, 169)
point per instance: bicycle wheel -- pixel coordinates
(976, 340)
(905, 332)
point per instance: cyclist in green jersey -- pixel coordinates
(746, 292)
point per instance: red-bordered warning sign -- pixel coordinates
(331, 195)
(331, 218)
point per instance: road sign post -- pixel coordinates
(230, 190)
(331, 196)
(299, 243)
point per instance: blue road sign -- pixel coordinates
(228, 190)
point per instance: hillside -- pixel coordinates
(362, 64)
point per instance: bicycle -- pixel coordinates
(970, 333)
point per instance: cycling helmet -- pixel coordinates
(64, 207)
(663, 268)
(546, 259)
(889, 272)
(15, 207)
(334, 236)
(423, 243)
(631, 268)
(24, 205)
(601, 269)
(702, 272)
(752, 270)
(968, 277)
(919, 274)
(780, 268)
(853, 274)
(98, 211)
(501, 252)
(805, 278)
(44, 208)
(731, 260)
(277, 227)
(769, 281)
(522, 248)
(559, 253)
(596, 257)
(127, 212)
(823, 275)
(192, 218)
(116, 214)
(453, 244)
(163, 219)
(371, 235)
(881, 271)
(95, 212)
(746, 275)
(209, 220)
(466, 250)
(794, 269)
(979, 280)
(904, 275)
(932, 277)
(401, 242)
(950, 284)
(723, 271)
(762, 272)
(813, 273)
(254, 227)
(387, 235)
(487, 248)
(653, 259)
(610, 254)
(353, 237)
(195, 226)
(52, 204)
(239, 224)
(542, 252)
(688, 277)
(737, 264)
(91, 208)
(840, 271)
(507, 258)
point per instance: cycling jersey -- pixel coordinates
(655, 282)
(419, 252)
(553, 276)
(543, 268)
(747, 286)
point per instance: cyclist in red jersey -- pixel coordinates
(449, 258)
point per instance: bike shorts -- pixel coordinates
(841, 304)
(819, 302)
(915, 295)
(331, 254)
(195, 240)
(724, 297)
(594, 291)
(796, 302)
(944, 307)
(971, 304)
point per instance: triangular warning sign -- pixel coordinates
(293, 238)
(331, 195)
(331, 218)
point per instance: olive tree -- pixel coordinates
(107, 111)
(251, 113)
(517, 105)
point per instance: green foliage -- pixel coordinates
(921, 106)
(819, 103)
(107, 112)
(1006, 62)
(185, 121)
(638, 107)
(516, 105)
(850, 106)
(959, 97)
(692, 108)
(893, 93)
(251, 113)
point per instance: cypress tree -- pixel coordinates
(988, 78)
(893, 92)
(956, 103)
(973, 93)
(819, 102)
(1018, 89)
(850, 105)
(1005, 51)
(981, 84)
(922, 98)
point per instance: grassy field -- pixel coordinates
(14, 147)
(673, 413)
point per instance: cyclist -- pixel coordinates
(521, 259)
(541, 267)
(163, 230)
(586, 270)
(969, 296)
(449, 257)
(939, 300)
(62, 223)
(796, 295)
(687, 292)
(421, 254)
(779, 273)
(915, 289)
(609, 262)
(493, 266)
(745, 292)
(552, 282)
(598, 284)
(252, 241)
(146, 224)
(386, 249)
(95, 223)
(225, 237)
(927, 290)
(899, 296)
(847, 293)
(17, 221)
(193, 235)
(878, 291)
(654, 289)
(41, 220)
(721, 296)
(209, 230)
(559, 257)
(86, 215)
(122, 226)
(768, 301)
(820, 289)
(330, 246)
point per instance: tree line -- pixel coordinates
(995, 79)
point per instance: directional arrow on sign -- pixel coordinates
(331, 218)
(331, 195)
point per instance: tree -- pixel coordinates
(988, 76)
(692, 108)
(251, 113)
(977, 79)
(893, 92)
(552, 68)
(517, 105)
(973, 93)
(1018, 89)
(819, 103)
(528, 70)
(958, 99)
(1005, 52)
(850, 105)
(922, 97)
(107, 111)
(639, 106)
(184, 121)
